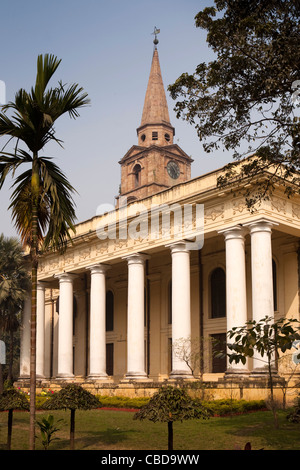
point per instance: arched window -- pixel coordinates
(109, 310)
(137, 175)
(218, 293)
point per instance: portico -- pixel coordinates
(143, 329)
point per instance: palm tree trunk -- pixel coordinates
(34, 266)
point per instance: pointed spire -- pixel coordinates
(155, 105)
(155, 127)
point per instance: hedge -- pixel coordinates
(225, 407)
(220, 407)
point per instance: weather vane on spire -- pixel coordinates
(155, 32)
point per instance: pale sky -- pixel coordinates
(106, 47)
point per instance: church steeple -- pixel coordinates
(156, 163)
(155, 127)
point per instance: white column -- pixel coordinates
(40, 333)
(262, 278)
(25, 339)
(236, 292)
(135, 318)
(65, 326)
(181, 307)
(97, 323)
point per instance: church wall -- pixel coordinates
(158, 336)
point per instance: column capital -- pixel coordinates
(264, 224)
(65, 277)
(136, 258)
(178, 247)
(41, 286)
(98, 268)
(234, 232)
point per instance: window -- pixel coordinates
(170, 303)
(110, 358)
(218, 345)
(154, 135)
(218, 293)
(137, 175)
(109, 310)
(274, 272)
(167, 137)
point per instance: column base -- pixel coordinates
(98, 377)
(181, 375)
(40, 377)
(135, 377)
(263, 372)
(65, 377)
(236, 374)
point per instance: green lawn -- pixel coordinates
(117, 430)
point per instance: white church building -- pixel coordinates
(172, 267)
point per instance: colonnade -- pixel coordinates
(236, 305)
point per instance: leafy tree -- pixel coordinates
(171, 404)
(268, 338)
(14, 285)
(246, 99)
(72, 397)
(42, 200)
(10, 400)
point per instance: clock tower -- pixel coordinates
(156, 163)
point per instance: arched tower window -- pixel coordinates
(218, 293)
(137, 175)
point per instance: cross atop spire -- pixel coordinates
(155, 32)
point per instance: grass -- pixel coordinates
(117, 430)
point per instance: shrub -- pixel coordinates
(225, 407)
(123, 402)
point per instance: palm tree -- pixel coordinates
(42, 203)
(14, 285)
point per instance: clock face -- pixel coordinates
(173, 170)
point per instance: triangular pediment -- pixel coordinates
(137, 151)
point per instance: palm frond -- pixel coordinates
(21, 206)
(56, 207)
(46, 67)
(9, 162)
(62, 207)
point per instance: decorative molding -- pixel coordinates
(238, 206)
(278, 204)
(213, 213)
(296, 210)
